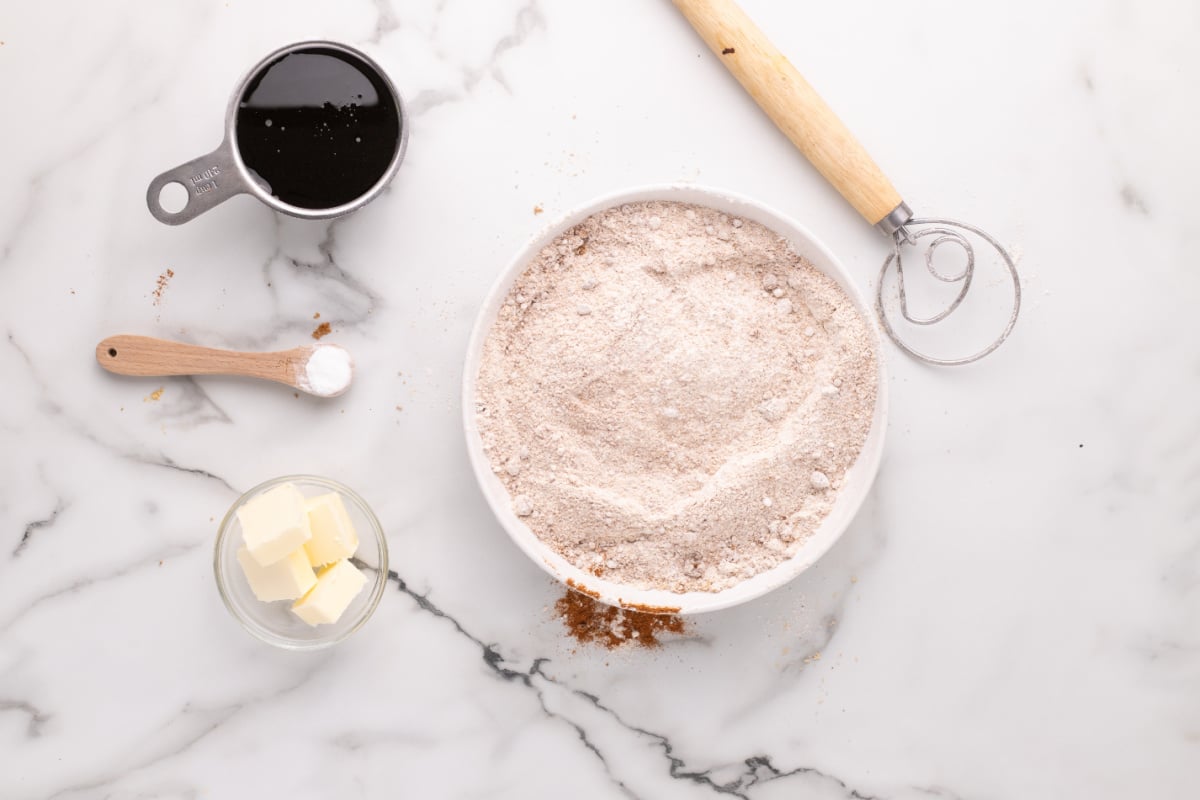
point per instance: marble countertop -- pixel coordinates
(1014, 614)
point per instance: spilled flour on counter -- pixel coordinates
(672, 396)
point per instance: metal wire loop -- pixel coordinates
(944, 232)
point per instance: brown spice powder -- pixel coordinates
(589, 621)
(322, 330)
(161, 285)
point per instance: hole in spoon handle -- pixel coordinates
(149, 357)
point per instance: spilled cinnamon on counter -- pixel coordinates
(161, 285)
(589, 621)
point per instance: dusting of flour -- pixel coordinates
(672, 396)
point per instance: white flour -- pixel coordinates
(672, 396)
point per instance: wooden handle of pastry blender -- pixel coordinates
(795, 108)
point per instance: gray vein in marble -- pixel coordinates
(31, 528)
(194, 406)
(43, 390)
(676, 765)
(35, 184)
(829, 626)
(260, 337)
(354, 741)
(34, 188)
(1163, 650)
(353, 310)
(494, 661)
(385, 21)
(80, 428)
(105, 577)
(106, 128)
(869, 518)
(328, 269)
(429, 99)
(1182, 576)
(37, 717)
(753, 774)
(438, 8)
(1132, 199)
(940, 792)
(583, 737)
(1129, 195)
(167, 462)
(178, 742)
(759, 768)
(528, 20)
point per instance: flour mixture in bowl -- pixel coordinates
(672, 396)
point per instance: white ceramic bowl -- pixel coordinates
(858, 478)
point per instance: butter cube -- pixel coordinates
(274, 524)
(337, 585)
(333, 534)
(288, 578)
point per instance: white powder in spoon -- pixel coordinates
(673, 396)
(328, 371)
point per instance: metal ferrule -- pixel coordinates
(895, 219)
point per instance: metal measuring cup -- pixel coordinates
(212, 179)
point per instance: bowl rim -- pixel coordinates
(260, 632)
(865, 467)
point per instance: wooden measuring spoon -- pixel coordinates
(324, 370)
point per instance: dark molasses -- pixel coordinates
(318, 128)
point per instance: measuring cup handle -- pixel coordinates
(210, 180)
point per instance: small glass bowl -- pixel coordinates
(274, 622)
